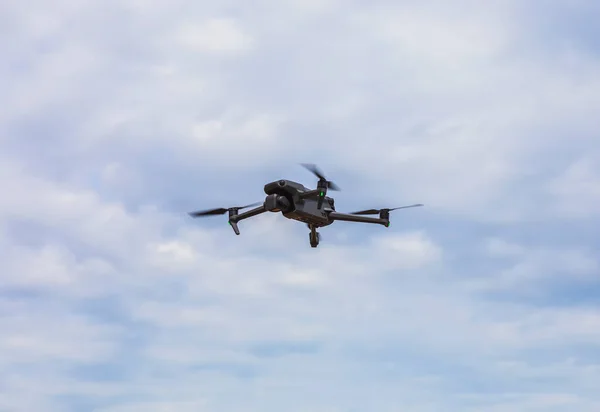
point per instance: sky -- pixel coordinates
(119, 117)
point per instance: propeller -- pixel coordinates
(322, 185)
(220, 210)
(378, 211)
(322, 180)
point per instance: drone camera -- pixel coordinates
(276, 203)
(271, 203)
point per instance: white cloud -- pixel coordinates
(407, 251)
(426, 33)
(528, 266)
(576, 192)
(214, 35)
(45, 334)
(501, 248)
(119, 118)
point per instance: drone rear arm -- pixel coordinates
(235, 218)
(359, 219)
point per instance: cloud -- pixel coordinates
(216, 35)
(577, 190)
(120, 117)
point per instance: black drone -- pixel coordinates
(297, 202)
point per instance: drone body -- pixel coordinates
(291, 199)
(297, 202)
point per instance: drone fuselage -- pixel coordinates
(300, 203)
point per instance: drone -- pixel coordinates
(297, 202)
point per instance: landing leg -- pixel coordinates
(314, 237)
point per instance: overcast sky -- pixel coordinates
(119, 117)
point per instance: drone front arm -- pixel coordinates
(359, 219)
(250, 213)
(235, 218)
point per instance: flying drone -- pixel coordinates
(297, 202)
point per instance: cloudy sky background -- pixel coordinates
(119, 117)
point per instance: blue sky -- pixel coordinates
(119, 117)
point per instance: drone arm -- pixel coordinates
(249, 213)
(359, 219)
(235, 218)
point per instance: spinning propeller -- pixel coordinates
(383, 213)
(378, 211)
(221, 210)
(233, 211)
(322, 180)
(323, 184)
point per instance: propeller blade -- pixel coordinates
(210, 212)
(220, 210)
(314, 169)
(377, 211)
(317, 172)
(406, 207)
(250, 205)
(333, 186)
